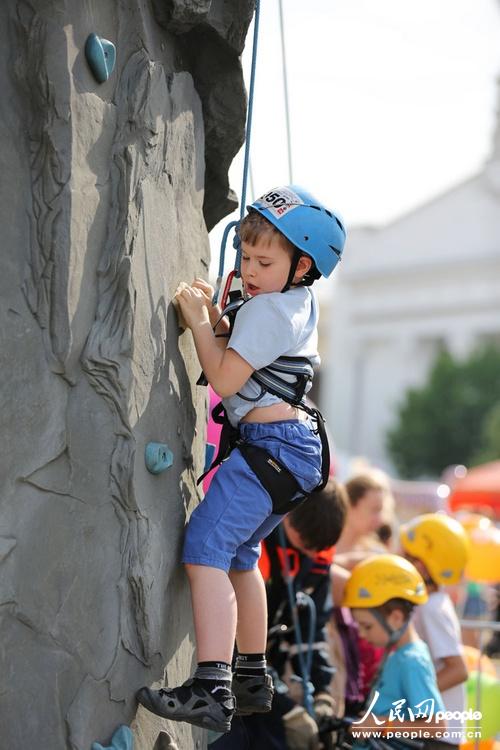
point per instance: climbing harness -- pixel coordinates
(281, 485)
(270, 378)
(284, 490)
(277, 480)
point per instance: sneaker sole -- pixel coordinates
(206, 722)
(259, 708)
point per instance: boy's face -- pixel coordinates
(371, 630)
(296, 541)
(265, 266)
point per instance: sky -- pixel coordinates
(391, 102)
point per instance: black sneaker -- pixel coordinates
(254, 694)
(193, 703)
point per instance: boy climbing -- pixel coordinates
(261, 367)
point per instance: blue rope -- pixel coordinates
(305, 665)
(220, 273)
(304, 600)
(250, 109)
(246, 163)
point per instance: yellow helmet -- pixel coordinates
(382, 577)
(440, 542)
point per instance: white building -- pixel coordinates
(430, 278)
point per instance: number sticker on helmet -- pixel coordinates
(280, 201)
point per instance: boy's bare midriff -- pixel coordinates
(274, 413)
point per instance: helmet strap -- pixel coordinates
(394, 635)
(293, 267)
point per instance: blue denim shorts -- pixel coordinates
(226, 528)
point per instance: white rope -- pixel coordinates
(285, 90)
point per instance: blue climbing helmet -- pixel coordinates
(307, 223)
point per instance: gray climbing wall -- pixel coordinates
(106, 195)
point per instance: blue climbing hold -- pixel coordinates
(158, 457)
(123, 739)
(209, 455)
(101, 57)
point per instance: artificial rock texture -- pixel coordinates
(106, 195)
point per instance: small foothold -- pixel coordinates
(158, 457)
(101, 57)
(123, 739)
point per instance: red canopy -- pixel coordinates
(480, 488)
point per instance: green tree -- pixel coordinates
(490, 443)
(443, 422)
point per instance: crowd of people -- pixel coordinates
(386, 640)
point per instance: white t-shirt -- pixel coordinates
(269, 326)
(437, 624)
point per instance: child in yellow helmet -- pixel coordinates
(382, 593)
(438, 547)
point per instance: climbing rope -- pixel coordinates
(295, 600)
(285, 92)
(246, 165)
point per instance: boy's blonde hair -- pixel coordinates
(255, 227)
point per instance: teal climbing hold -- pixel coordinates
(101, 57)
(209, 455)
(123, 739)
(158, 457)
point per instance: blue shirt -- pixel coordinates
(408, 674)
(407, 680)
